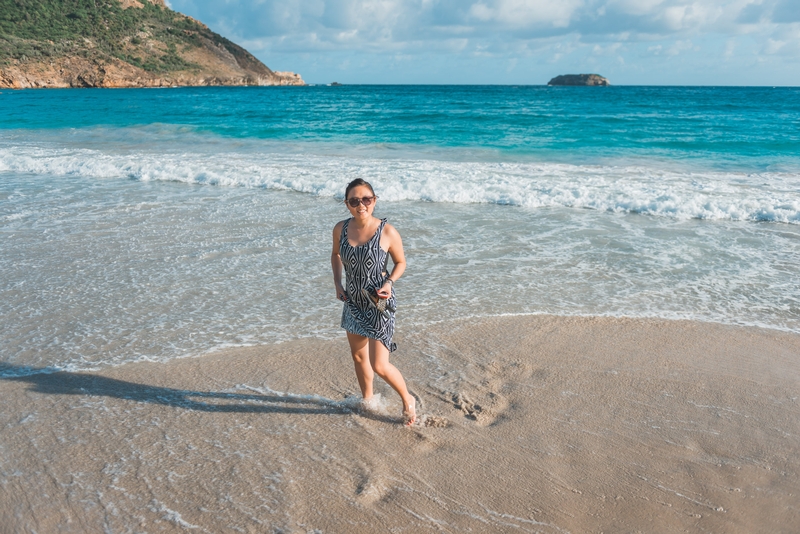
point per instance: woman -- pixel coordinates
(362, 245)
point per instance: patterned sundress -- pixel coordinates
(365, 267)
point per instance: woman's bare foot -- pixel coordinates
(410, 411)
(372, 403)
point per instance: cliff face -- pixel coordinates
(119, 43)
(578, 79)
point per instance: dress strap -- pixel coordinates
(379, 232)
(343, 236)
(378, 247)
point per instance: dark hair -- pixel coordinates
(355, 183)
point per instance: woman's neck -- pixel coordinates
(364, 223)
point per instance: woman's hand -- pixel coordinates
(385, 291)
(341, 294)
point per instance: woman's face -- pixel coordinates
(361, 211)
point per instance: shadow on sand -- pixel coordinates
(53, 382)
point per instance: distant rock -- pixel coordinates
(578, 79)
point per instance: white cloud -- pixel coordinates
(773, 46)
(611, 49)
(412, 23)
(558, 31)
(633, 7)
(679, 47)
(730, 48)
(785, 42)
(525, 13)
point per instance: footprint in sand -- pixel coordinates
(467, 407)
(371, 488)
(433, 421)
(483, 414)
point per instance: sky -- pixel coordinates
(631, 42)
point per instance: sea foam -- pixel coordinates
(641, 187)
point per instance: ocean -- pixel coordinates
(154, 224)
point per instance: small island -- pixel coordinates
(579, 80)
(119, 43)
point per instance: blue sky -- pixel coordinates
(631, 42)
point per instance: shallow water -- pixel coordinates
(158, 224)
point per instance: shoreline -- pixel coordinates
(234, 348)
(535, 423)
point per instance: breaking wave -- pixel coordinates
(627, 188)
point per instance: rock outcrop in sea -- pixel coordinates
(579, 79)
(119, 43)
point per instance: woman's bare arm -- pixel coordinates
(336, 262)
(395, 250)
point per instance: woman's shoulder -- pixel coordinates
(389, 230)
(338, 229)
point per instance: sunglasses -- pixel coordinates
(355, 201)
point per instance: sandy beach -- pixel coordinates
(529, 424)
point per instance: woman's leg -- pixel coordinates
(359, 347)
(379, 358)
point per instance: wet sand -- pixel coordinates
(529, 424)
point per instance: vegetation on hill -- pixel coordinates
(151, 37)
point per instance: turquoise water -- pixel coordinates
(750, 129)
(153, 224)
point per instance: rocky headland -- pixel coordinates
(119, 43)
(579, 79)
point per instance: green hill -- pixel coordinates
(115, 43)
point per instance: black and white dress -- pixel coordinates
(365, 267)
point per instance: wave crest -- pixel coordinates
(638, 188)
